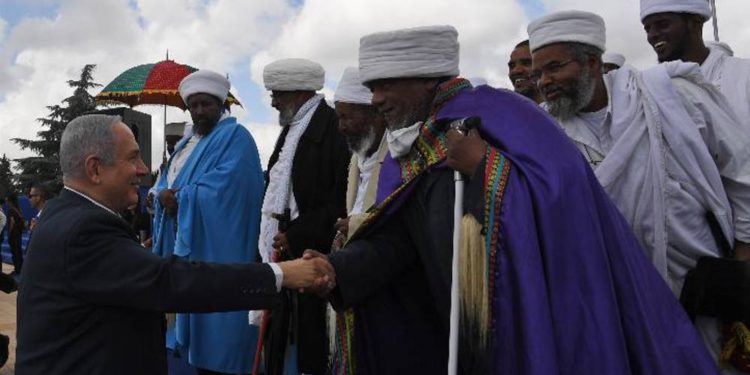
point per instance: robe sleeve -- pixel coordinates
(367, 265)
(729, 144)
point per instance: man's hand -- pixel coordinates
(342, 225)
(742, 250)
(150, 200)
(168, 200)
(465, 153)
(342, 233)
(281, 244)
(321, 289)
(313, 274)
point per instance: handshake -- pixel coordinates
(311, 274)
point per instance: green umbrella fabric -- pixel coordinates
(151, 84)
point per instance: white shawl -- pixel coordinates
(279, 191)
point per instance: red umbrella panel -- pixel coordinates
(151, 84)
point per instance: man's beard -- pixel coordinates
(203, 126)
(573, 98)
(286, 116)
(409, 118)
(361, 143)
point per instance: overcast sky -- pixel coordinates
(44, 43)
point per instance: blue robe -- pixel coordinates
(218, 220)
(573, 292)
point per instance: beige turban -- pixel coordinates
(699, 7)
(206, 82)
(567, 26)
(351, 89)
(613, 58)
(430, 51)
(293, 75)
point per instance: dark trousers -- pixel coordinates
(14, 240)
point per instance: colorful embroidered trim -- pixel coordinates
(344, 358)
(430, 147)
(497, 169)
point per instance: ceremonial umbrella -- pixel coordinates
(151, 84)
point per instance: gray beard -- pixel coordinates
(570, 103)
(286, 116)
(360, 145)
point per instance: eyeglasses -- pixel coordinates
(551, 68)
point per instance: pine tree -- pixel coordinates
(45, 166)
(6, 176)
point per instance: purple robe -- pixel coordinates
(574, 293)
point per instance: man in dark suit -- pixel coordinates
(92, 299)
(305, 194)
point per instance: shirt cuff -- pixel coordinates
(278, 273)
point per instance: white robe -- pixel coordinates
(732, 76)
(674, 151)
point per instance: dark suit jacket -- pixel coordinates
(319, 173)
(92, 299)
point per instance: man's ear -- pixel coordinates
(695, 25)
(92, 166)
(430, 84)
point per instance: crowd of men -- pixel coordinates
(588, 202)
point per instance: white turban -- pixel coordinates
(293, 75)
(567, 26)
(351, 89)
(205, 82)
(430, 51)
(699, 7)
(613, 58)
(175, 128)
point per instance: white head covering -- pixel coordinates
(567, 26)
(430, 51)
(613, 58)
(351, 89)
(721, 46)
(206, 82)
(175, 128)
(293, 75)
(699, 7)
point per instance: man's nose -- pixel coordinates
(378, 99)
(141, 169)
(544, 80)
(652, 36)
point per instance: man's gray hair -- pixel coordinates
(581, 52)
(87, 135)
